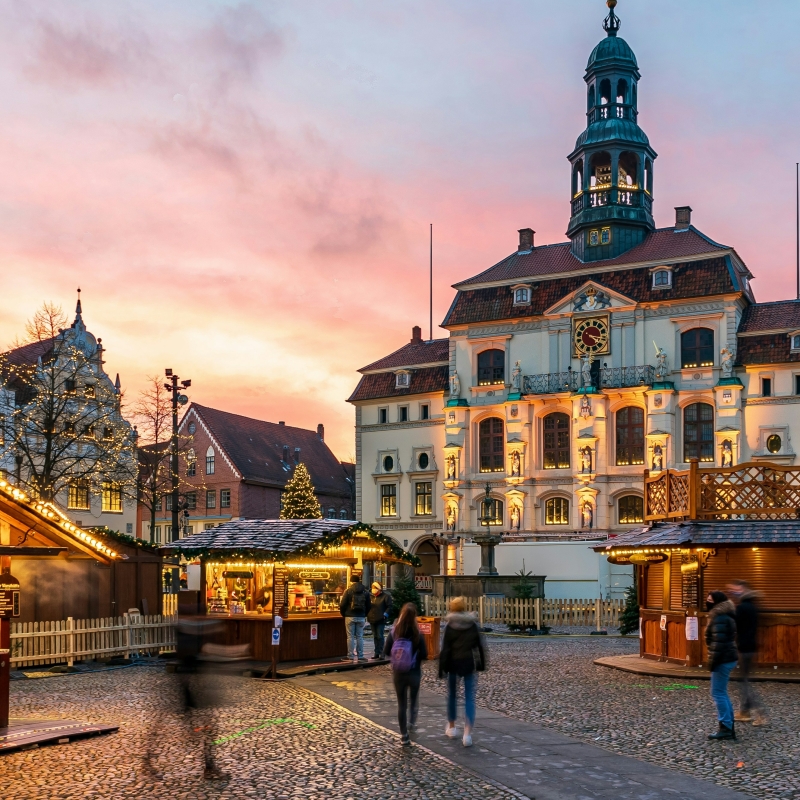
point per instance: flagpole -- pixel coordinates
(431, 285)
(797, 206)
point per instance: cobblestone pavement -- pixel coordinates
(282, 743)
(553, 682)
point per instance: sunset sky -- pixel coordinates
(243, 190)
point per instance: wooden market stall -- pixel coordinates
(256, 571)
(709, 526)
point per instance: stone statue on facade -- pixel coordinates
(455, 385)
(515, 464)
(515, 517)
(662, 363)
(586, 371)
(726, 362)
(658, 458)
(586, 459)
(586, 407)
(516, 377)
(451, 516)
(727, 453)
(587, 515)
(451, 468)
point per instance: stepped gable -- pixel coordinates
(698, 279)
(255, 447)
(665, 244)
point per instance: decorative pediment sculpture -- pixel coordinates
(591, 300)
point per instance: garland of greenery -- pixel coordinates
(313, 550)
(124, 538)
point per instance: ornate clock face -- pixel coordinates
(591, 335)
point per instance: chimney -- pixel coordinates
(416, 334)
(281, 423)
(525, 240)
(297, 455)
(321, 432)
(683, 217)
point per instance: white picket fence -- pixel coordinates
(70, 640)
(535, 613)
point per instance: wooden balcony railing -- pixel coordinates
(753, 490)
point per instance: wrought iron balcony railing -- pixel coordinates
(612, 111)
(606, 196)
(572, 380)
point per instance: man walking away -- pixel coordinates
(407, 649)
(463, 656)
(746, 600)
(354, 607)
(721, 641)
(378, 613)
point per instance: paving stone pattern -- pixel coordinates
(553, 682)
(323, 751)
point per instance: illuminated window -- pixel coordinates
(78, 496)
(423, 494)
(112, 497)
(491, 367)
(555, 450)
(697, 348)
(389, 500)
(556, 511)
(698, 432)
(630, 509)
(630, 436)
(495, 511)
(491, 445)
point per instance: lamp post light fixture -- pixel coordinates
(487, 540)
(487, 509)
(178, 399)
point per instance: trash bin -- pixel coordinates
(430, 628)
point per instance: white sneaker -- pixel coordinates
(451, 732)
(467, 740)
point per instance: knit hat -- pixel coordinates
(376, 585)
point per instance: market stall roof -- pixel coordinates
(707, 533)
(279, 539)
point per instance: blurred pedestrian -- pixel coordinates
(463, 655)
(354, 607)
(377, 616)
(746, 600)
(406, 648)
(722, 656)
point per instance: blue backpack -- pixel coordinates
(402, 655)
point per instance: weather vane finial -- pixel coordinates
(611, 23)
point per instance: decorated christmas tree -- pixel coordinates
(299, 500)
(404, 591)
(629, 618)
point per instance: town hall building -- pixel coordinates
(570, 368)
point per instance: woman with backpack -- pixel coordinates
(462, 656)
(405, 647)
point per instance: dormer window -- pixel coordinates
(522, 295)
(402, 380)
(794, 340)
(662, 278)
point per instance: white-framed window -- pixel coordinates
(402, 380)
(423, 498)
(766, 387)
(424, 411)
(662, 279)
(402, 413)
(522, 295)
(794, 342)
(78, 496)
(112, 497)
(389, 500)
(383, 416)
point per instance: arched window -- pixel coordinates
(622, 91)
(343, 513)
(648, 176)
(600, 171)
(698, 432)
(491, 367)
(331, 513)
(630, 436)
(662, 279)
(630, 509)
(590, 98)
(521, 297)
(210, 461)
(697, 348)
(555, 442)
(577, 179)
(491, 445)
(605, 92)
(628, 170)
(556, 511)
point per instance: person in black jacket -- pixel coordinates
(462, 656)
(746, 601)
(722, 657)
(407, 682)
(378, 614)
(354, 607)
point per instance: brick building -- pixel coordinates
(236, 468)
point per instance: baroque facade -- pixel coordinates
(571, 368)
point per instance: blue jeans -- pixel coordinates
(355, 635)
(378, 635)
(470, 686)
(719, 693)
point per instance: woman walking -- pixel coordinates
(722, 658)
(406, 648)
(463, 656)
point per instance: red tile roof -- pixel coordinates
(770, 349)
(256, 449)
(778, 316)
(383, 384)
(413, 354)
(665, 244)
(695, 279)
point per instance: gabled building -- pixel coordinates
(236, 467)
(570, 368)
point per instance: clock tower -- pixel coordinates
(612, 163)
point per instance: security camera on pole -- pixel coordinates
(178, 399)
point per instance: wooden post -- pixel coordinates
(598, 610)
(694, 488)
(5, 654)
(480, 610)
(537, 607)
(647, 510)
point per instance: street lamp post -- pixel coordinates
(487, 541)
(178, 399)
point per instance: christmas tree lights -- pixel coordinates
(298, 499)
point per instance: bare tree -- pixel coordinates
(62, 424)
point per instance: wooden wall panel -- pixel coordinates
(676, 583)
(655, 586)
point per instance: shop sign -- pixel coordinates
(276, 636)
(9, 596)
(647, 558)
(314, 631)
(425, 628)
(315, 576)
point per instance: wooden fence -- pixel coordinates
(169, 604)
(535, 613)
(70, 640)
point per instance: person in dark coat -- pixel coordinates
(378, 614)
(722, 657)
(406, 682)
(463, 655)
(746, 600)
(354, 607)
